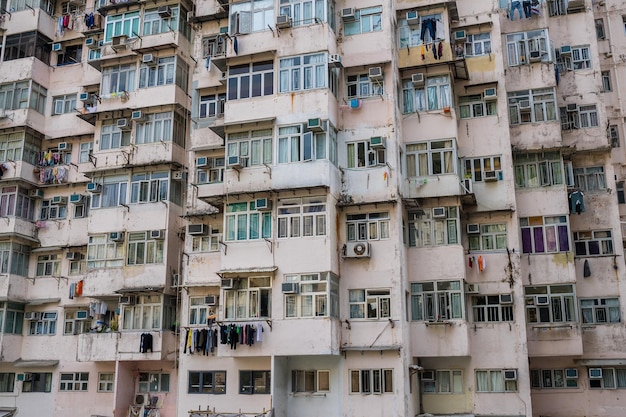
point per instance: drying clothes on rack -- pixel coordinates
(145, 343)
(234, 334)
(97, 307)
(200, 341)
(577, 202)
(53, 175)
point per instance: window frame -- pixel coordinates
(560, 306)
(438, 386)
(491, 374)
(600, 310)
(593, 243)
(371, 381)
(253, 377)
(32, 382)
(366, 20)
(435, 301)
(492, 237)
(214, 387)
(247, 81)
(253, 147)
(45, 326)
(301, 381)
(590, 179)
(73, 381)
(48, 265)
(542, 106)
(63, 104)
(361, 301)
(153, 382)
(492, 310)
(365, 227)
(473, 106)
(555, 233)
(553, 378)
(301, 217)
(106, 381)
(473, 40)
(534, 170)
(425, 230)
(250, 299)
(293, 71)
(104, 253)
(243, 222)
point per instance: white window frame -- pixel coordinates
(365, 21)
(601, 310)
(86, 149)
(146, 314)
(149, 187)
(247, 81)
(437, 301)
(301, 217)
(213, 172)
(593, 243)
(254, 148)
(123, 76)
(519, 45)
(553, 378)
(251, 297)
(50, 211)
(141, 249)
(113, 193)
(610, 379)
(251, 16)
(361, 155)
(561, 307)
(199, 312)
(430, 158)
(362, 227)
(590, 179)
(606, 81)
(538, 170)
(46, 325)
(476, 167)
(111, 137)
(371, 381)
(304, 12)
(370, 304)
(494, 379)
(475, 105)
(302, 72)
(162, 73)
(104, 253)
(153, 23)
(106, 381)
(244, 222)
(154, 382)
(312, 299)
(211, 105)
(492, 237)
(478, 44)
(209, 243)
(73, 326)
(542, 106)
(295, 144)
(208, 382)
(48, 265)
(425, 230)
(64, 104)
(214, 46)
(361, 86)
(73, 381)
(434, 95)
(550, 226)
(446, 381)
(310, 381)
(581, 57)
(489, 308)
(122, 24)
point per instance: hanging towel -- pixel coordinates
(481, 263)
(586, 269)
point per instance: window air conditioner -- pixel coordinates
(334, 60)
(57, 47)
(138, 116)
(202, 161)
(59, 201)
(283, 21)
(565, 50)
(572, 107)
(315, 125)
(197, 229)
(234, 162)
(473, 228)
(412, 18)
(417, 79)
(157, 234)
(524, 104)
(506, 298)
(377, 142)
(118, 43)
(91, 43)
(164, 12)
(82, 315)
(490, 176)
(228, 284)
(542, 300)
(93, 187)
(439, 212)
(357, 250)
(263, 204)
(571, 373)
(210, 300)
(471, 289)
(148, 59)
(347, 14)
(32, 315)
(128, 299)
(64, 146)
(86, 98)
(290, 288)
(490, 93)
(427, 375)
(142, 399)
(124, 125)
(72, 256)
(534, 56)
(179, 175)
(116, 236)
(36, 193)
(190, 17)
(510, 374)
(595, 373)
(460, 35)
(375, 74)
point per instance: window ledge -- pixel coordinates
(438, 323)
(548, 326)
(308, 394)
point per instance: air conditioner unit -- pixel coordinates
(506, 298)
(36, 193)
(571, 373)
(148, 59)
(234, 162)
(412, 18)
(510, 374)
(190, 17)
(157, 234)
(315, 125)
(263, 204)
(179, 175)
(290, 288)
(375, 74)
(118, 43)
(124, 125)
(138, 116)
(460, 35)
(427, 375)
(490, 93)
(57, 47)
(72, 256)
(32, 315)
(197, 229)
(377, 142)
(202, 161)
(86, 98)
(59, 201)
(116, 236)
(217, 163)
(490, 176)
(471, 289)
(524, 104)
(534, 56)
(357, 250)
(595, 373)
(142, 399)
(93, 187)
(334, 60)
(91, 43)
(283, 21)
(565, 50)
(64, 146)
(473, 228)
(227, 284)
(82, 315)
(347, 14)
(417, 79)
(468, 186)
(210, 300)
(164, 12)
(572, 107)
(542, 300)
(439, 212)
(128, 299)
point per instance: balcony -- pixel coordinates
(435, 186)
(124, 346)
(536, 136)
(440, 338)
(554, 339)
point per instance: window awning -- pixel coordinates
(600, 362)
(221, 129)
(7, 412)
(35, 363)
(40, 301)
(246, 271)
(47, 249)
(139, 290)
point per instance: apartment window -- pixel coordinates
(7, 381)
(106, 382)
(442, 381)
(48, 265)
(51, 211)
(538, 170)
(149, 187)
(154, 382)
(254, 382)
(210, 243)
(153, 23)
(253, 147)
(554, 378)
(492, 308)
(362, 154)
(251, 80)
(371, 381)
(434, 227)
(212, 173)
(297, 145)
(75, 324)
(434, 95)
(27, 44)
(11, 316)
(144, 250)
(37, 382)
(45, 324)
(590, 178)
(545, 234)
(410, 35)
(19, 146)
(211, 105)
(118, 79)
(162, 73)
(199, 311)
(437, 300)
(304, 72)
(361, 85)
(365, 21)
(476, 105)
(600, 310)
(111, 137)
(367, 226)
(550, 303)
(206, 382)
(144, 315)
(478, 44)
(614, 136)
(606, 81)
(86, 149)
(313, 295)
(581, 117)
(621, 197)
(490, 237)
(121, 24)
(593, 242)
(303, 12)
(310, 381)
(431, 158)
(38, 96)
(71, 54)
(496, 380)
(245, 222)
(301, 217)
(532, 106)
(81, 208)
(475, 168)
(609, 378)
(250, 298)
(527, 47)
(370, 304)
(14, 258)
(104, 253)
(213, 46)
(161, 127)
(64, 104)
(600, 34)
(581, 58)
(112, 194)
(73, 381)
(251, 16)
